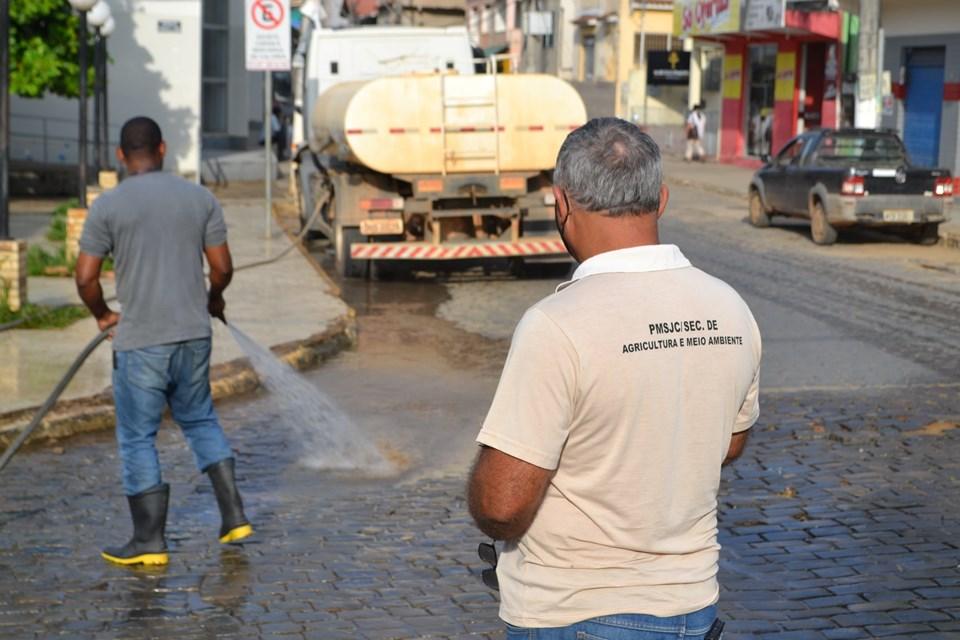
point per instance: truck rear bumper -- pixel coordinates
(428, 251)
(884, 209)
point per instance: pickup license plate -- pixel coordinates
(382, 227)
(898, 215)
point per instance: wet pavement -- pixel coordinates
(842, 520)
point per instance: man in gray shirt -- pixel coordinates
(158, 227)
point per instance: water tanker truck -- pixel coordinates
(438, 167)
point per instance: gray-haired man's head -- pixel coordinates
(609, 165)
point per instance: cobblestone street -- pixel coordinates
(841, 521)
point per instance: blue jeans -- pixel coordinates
(145, 381)
(625, 626)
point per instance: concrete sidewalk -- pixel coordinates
(733, 180)
(289, 303)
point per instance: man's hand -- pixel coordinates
(216, 307)
(221, 272)
(107, 320)
(87, 275)
(737, 443)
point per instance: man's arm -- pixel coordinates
(221, 273)
(504, 493)
(738, 442)
(87, 277)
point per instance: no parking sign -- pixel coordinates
(268, 35)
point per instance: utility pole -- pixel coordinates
(866, 114)
(624, 50)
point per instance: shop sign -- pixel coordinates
(668, 68)
(732, 76)
(703, 17)
(763, 14)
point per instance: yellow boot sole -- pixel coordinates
(143, 558)
(237, 533)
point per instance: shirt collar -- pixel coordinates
(642, 259)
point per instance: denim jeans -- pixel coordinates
(145, 381)
(625, 626)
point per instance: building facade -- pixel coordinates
(180, 62)
(920, 78)
(782, 68)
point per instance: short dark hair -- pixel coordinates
(140, 135)
(610, 165)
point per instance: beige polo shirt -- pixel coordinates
(629, 382)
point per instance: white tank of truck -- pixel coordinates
(447, 124)
(438, 167)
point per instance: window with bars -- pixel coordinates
(215, 65)
(654, 42)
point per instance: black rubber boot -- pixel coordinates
(235, 525)
(148, 546)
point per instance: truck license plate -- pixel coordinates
(898, 215)
(382, 227)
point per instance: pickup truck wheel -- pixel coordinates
(928, 234)
(347, 267)
(758, 214)
(820, 229)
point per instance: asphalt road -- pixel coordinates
(841, 521)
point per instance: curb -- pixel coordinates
(227, 379)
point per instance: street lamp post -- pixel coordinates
(82, 6)
(97, 18)
(105, 32)
(4, 119)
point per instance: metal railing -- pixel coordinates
(48, 140)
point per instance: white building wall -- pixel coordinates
(919, 17)
(152, 73)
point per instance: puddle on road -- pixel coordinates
(327, 438)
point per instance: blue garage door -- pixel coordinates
(923, 104)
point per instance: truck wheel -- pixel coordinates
(347, 267)
(758, 214)
(928, 234)
(820, 229)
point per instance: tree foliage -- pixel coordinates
(44, 51)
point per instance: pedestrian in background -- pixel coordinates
(622, 396)
(158, 227)
(695, 128)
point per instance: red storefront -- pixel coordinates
(778, 81)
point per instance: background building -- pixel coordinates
(919, 83)
(180, 62)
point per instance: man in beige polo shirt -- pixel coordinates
(622, 396)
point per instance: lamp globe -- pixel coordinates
(98, 14)
(83, 5)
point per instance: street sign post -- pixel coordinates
(267, 43)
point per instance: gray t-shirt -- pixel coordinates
(156, 226)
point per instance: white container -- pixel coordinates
(448, 123)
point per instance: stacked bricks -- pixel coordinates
(13, 273)
(75, 220)
(77, 217)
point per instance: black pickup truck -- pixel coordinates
(840, 178)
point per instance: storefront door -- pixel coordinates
(762, 65)
(923, 105)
